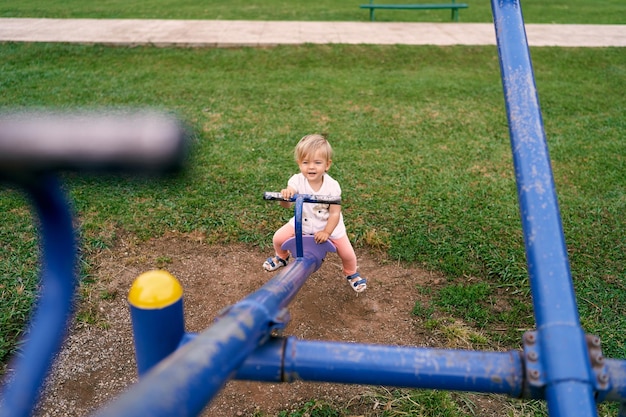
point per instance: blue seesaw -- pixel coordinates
(558, 362)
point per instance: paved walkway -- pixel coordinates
(228, 33)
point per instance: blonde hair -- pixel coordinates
(311, 145)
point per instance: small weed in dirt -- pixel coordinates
(313, 408)
(163, 261)
(406, 402)
(422, 311)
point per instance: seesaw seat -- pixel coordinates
(309, 247)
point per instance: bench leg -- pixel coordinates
(455, 15)
(371, 15)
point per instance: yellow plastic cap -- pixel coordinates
(155, 289)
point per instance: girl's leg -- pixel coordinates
(347, 255)
(348, 259)
(281, 236)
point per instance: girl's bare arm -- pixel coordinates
(334, 213)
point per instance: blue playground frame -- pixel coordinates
(559, 363)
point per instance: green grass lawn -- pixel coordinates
(421, 141)
(535, 11)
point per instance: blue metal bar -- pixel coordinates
(51, 316)
(184, 382)
(291, 359)
(288, 360)
(298, 222)
(563, 352)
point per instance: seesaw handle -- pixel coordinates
(135, 141)
(32, 146)
(307, 198)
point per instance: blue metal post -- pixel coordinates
(47, 330)
(566, 377)
(156, 312)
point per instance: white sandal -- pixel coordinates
(275, 262)
(358, 285)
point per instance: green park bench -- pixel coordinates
(453, 5)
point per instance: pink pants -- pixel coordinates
(343, 245)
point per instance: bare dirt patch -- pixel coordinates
(97, 361)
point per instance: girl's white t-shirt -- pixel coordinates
(315, 215)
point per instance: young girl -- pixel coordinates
(324, 221)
